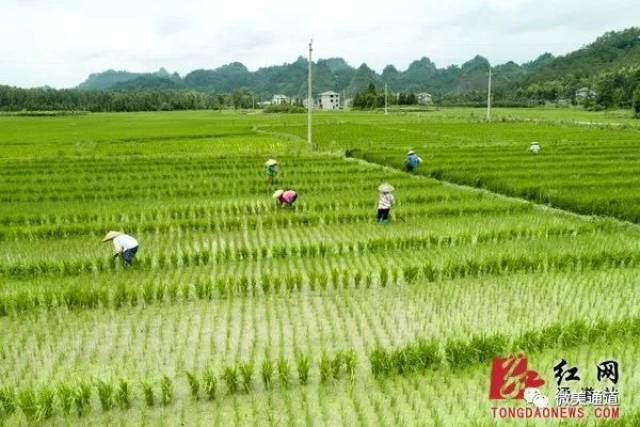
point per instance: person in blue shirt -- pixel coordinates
(412, 161)
(272, 170)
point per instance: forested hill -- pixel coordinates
(610, 52)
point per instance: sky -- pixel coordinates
(60, 42)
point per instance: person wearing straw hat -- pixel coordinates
(123, 245)
(412, 161)
(534, 147)
(385, 202)
(285, 198)
(272, 170)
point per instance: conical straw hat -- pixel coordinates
(386, 188)
(277, 194)
(271, 162)
(112, 235)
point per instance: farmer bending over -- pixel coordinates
(385, 202)
(534, 147)
(272, 170)
(123, 245)
(285, 198)
(412, 161)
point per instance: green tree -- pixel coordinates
(636, 101)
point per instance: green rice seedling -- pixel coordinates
(313, 281)
(243, 285)
(105, 394)
(82, 398)
(410, 274)
(303, 364)
(335, 278)
(230, 376)
(166, 390)
(574, 333)
(172, 291)
(266, 372)
(7, 400)
(384, 277)
(266, 283)
(325, 368)
(529, 341)
(427, 353)
(550, 335)
(395, 276)
(486, 347)
(350, 360)
(209, 384)
(194, 384)
(148, 394)
(221, 287)
(290, 283)
(27, 403)
(277, 285)
(323, 280)
(283, 372)
(246, 374)
(357, 278)
(345, 279)
(65, 395)
(336, 365)
(45, 403)
(368, 280)
(459, 353)
(380, 362)
(123, 394)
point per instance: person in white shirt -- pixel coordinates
(385, 202)
(123, 245)
(534, 147)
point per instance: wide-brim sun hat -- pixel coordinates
(271, 162)
(277, 193)
(411, 152)
(386, 188)
(112, 235)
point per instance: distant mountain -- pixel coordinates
(609, 52)
(108, 79)
(151, 83)
(361, 79)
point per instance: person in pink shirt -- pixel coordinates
(285, 198)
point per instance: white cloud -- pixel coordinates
(59, 42)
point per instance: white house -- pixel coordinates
(329, 101)
(424, 98)
(280, 99)
(584, 93)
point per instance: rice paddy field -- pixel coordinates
(238, 312)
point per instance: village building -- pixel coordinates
(280, 99)
(424, 98)
(329, 101)
(584, 93)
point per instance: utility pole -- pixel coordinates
(386, 111)
(309, 99)
(489, 97)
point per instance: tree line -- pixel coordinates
(370, 98)
(610, 89)
(46, 99)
